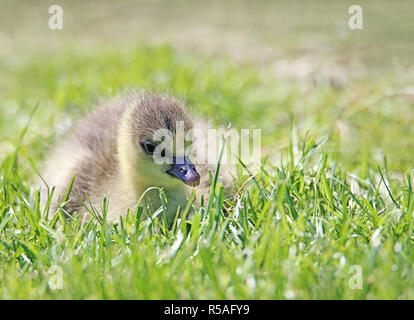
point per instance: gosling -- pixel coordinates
(111, 153)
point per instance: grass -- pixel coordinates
(296, 231)
(332, 200)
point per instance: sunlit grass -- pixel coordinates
(334, 190)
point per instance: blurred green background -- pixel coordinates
(265, 64)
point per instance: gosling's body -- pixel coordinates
(103, 151)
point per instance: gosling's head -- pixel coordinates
(148, 147)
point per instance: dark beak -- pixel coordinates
(185, 171)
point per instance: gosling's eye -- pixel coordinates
(148, 147)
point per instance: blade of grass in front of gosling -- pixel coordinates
(31, 217)
(184, 213)
(388, 190)
(242, 222)
(281, 195)
(90, 209)
(294, 191)
(29, 213)
(6, 218)
(106, 234)
(31, 253)
(154, 221)
(139, 212)
(101, 241)
(202, 201)
(223, 228)
(219, 204)
(96, 243)
(79, 229)
(375, 217)
(213, 186)
(349, 191)
(192, 230)
(163, 199)
(176, 221)
(328, 192)
(54, 220)
(50, 231)
(290, 204)
(122, 229)
(5, 192)
(378, 196)
(141, 198)
(244, 215)
(104, 210)
(410, 202)
(254, 179)
(248, 204)
(46, 209)
(61, 212)
(58, 215)
(37, 205)
(261, 216)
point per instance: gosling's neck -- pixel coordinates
(137, 171)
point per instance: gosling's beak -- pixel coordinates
(185, 171)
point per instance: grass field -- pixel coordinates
(328, 216)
